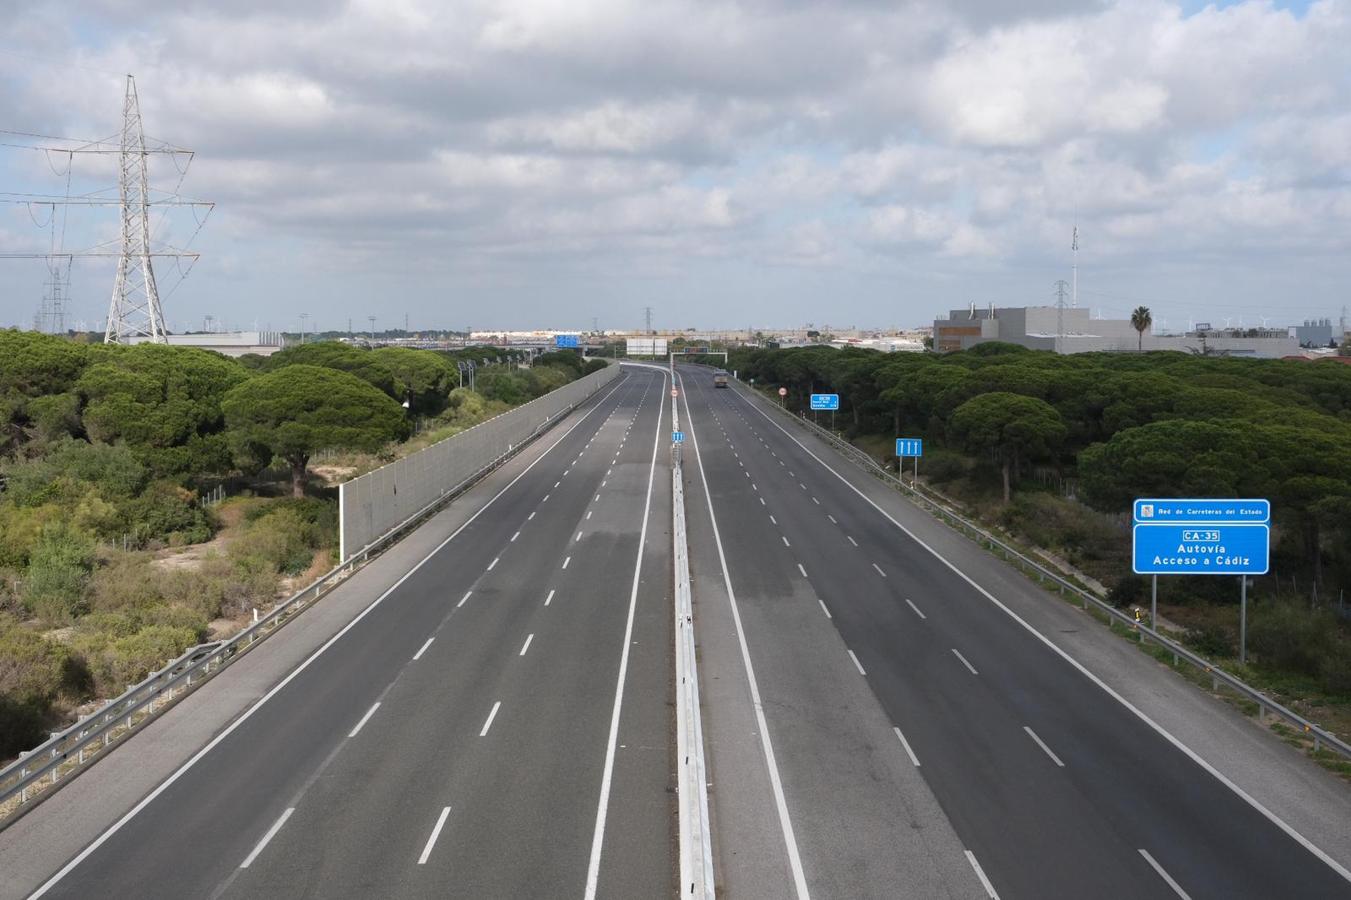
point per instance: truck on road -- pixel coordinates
(720, 378)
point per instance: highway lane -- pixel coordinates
(1055, 788)
(494, 666)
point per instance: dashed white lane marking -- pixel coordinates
(549, 598)
(577, 538)
(493, 563)
(1177, 888)
(958, 654)
(436, 833)
(546, 498)
(832, 519)
(879, 570)
(772, 519)
(852, 541)
(423, 649)
(1042, 744)
(526, 646)
(801, 485)
(858, 665)
(462, 599)
(566, 561)
(597, 497)
(515, 536)
(906, 744)
(762, 501)
(492, 715)
(823, 608)
(915, 608)
(557, 483)
(370, 712)
(785, 541)
(588, 513)
(531, 516)
(980, 873)
(802, 570)
(271, 833)
(817, 502)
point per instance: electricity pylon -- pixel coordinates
(135, 308)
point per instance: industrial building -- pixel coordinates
(227, 343)
(1072, 330)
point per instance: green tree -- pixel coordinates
(1011, 427)
(426, 376)
(1141, 319)
(294, 411)
(358, 361)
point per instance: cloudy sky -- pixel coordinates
(770, 162)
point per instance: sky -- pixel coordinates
(768, 163)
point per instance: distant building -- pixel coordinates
(227, 343)
(1073, 331)
(1315, 333)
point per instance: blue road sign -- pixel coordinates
(826, 401)
(1206, 536)
(909, 446)
(1200, 511)
(566, 341)
(677, 437)
(1228, 549)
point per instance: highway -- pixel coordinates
(1051, 786)
(495, 725)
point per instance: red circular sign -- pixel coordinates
(783, 392)
(675, 392)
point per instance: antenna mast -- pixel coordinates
(1074, 271)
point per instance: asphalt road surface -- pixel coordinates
(1053, 788)
(496, 726)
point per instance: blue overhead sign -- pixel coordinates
(909, 446)
(566, 341)
(826, 401)
(1201, 537)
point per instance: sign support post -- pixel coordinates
(1243, 620)
(1154, 602)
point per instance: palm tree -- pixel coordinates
(1140, 321)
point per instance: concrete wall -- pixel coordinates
(382, 500)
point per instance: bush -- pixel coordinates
(1211, 641)
(281, 541)
(943, 465)
(1129, 590)
(117, 663)
(127, 581)
(58, 574)
(1290, 638)
(34, 673)
(169, 513)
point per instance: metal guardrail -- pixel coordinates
(696, 844)
(66, 752)
(935, 506)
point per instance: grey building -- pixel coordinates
(1316, 333)
(1073, 331)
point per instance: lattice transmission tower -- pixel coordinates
(135, 308)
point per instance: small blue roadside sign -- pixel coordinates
(677, 437)
(566, 341)
(909, 446)
(1201, 537)
(826, 401)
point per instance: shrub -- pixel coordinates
(126, 581)
(281, 541)
(1290, 638)
(34, 673)
(165, 510)
(1128, 590)
(58, 574)
(117, 663)
(1211, 640)
(940, 466)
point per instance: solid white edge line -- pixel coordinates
(857, 665)
(431, 839)
(957, 653)
(603, 804)
(917, 610)
(980, 873)
(271, 833)
(1042, 744)
(1083, 670)
(526, 646)
(781, 804)
(1177, 888)
(370, 712)
(196, 757)
(423, 649)
(906, 744)
(492, 715)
